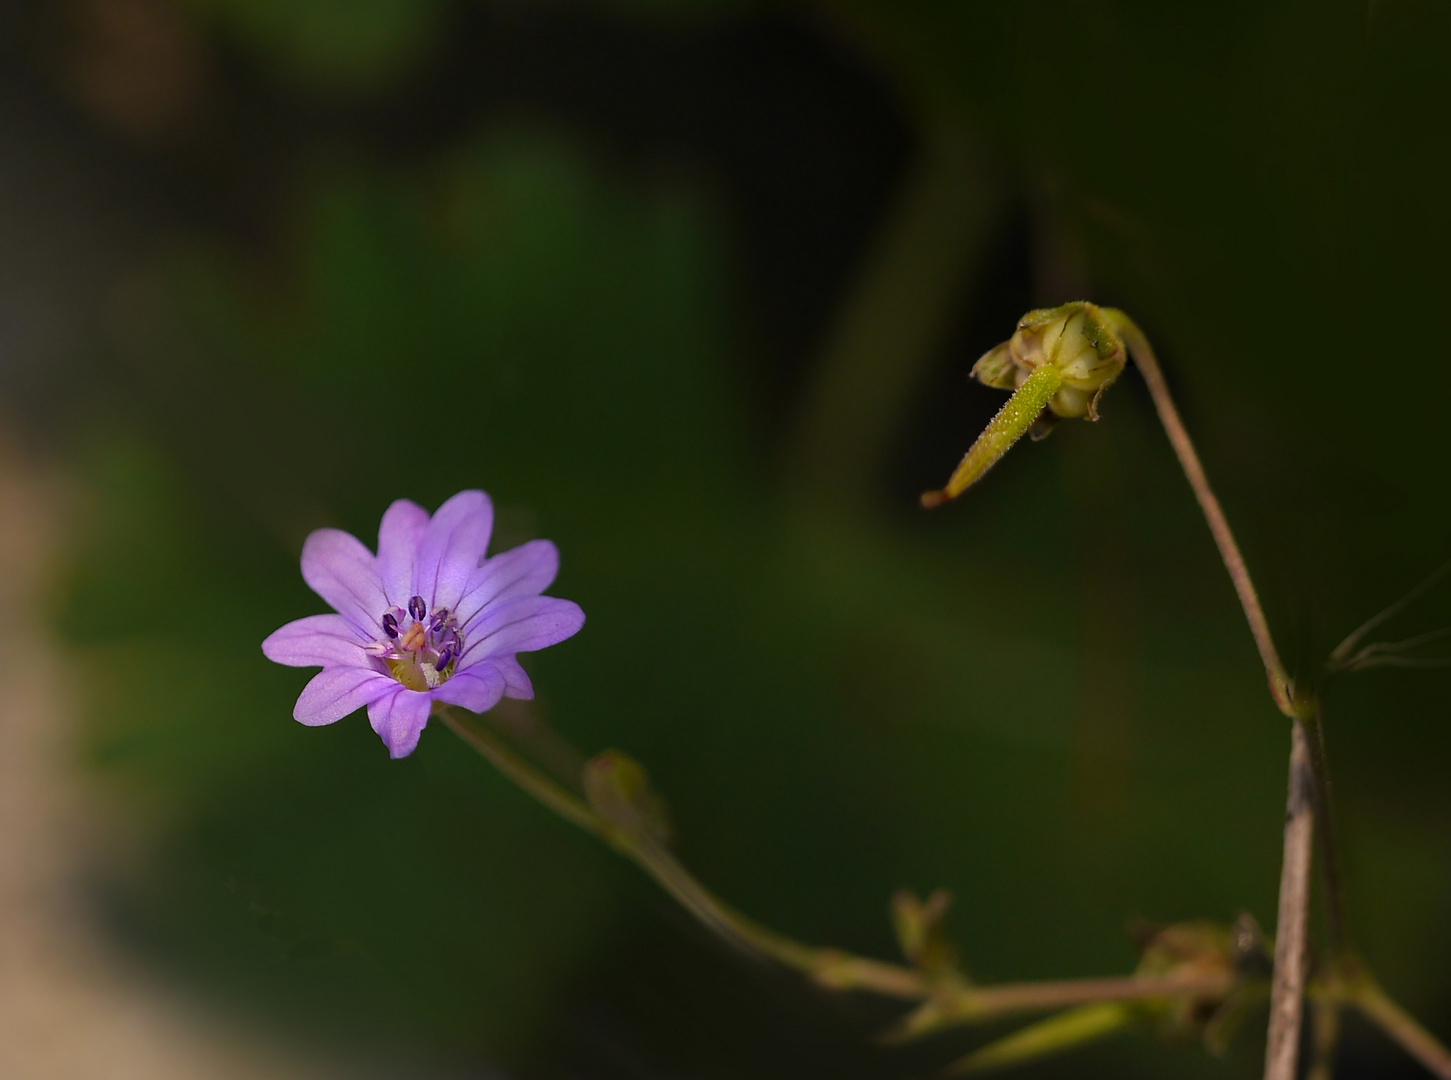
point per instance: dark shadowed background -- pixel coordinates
(692, 289)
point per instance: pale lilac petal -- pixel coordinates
(398, 538)
(344, 573)
(336, 691)
(526, 570)
(441, 559)
(452, 545)
(516, 679)
(521, 625)
(477, 690)
(399, 718)
(316, 641)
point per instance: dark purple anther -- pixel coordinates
(440, 616)
(390, 625)
(417, 608)
(443, 659)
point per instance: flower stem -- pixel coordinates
(825, 965)
(1309, 794)
(1282, 687)
(828, 967)
(1308, 782)
(498, 753)
(1002, 1000)
(965, 1004)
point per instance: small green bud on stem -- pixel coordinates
(619, 790)
(920, 932)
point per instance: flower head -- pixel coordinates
(1077, 340)
(1058, 363)
(427, 619)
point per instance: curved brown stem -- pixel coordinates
(665, 869)
(1282, 687)
(1306, 780)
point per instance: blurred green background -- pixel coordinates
(692, 289)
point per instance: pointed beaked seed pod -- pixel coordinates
(1058, 362)
(1016, 417)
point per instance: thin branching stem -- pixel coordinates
(1288, 992)
(1005, 998)
(826, 966)
(659, 864)
(1392, 654)
(950, 1001)
(958, 1005)
(1341, 658)
(1381, 648)
(1391, 660)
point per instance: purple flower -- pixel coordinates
(427, 619)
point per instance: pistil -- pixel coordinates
(420, 650)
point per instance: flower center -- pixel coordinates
(420, 649)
